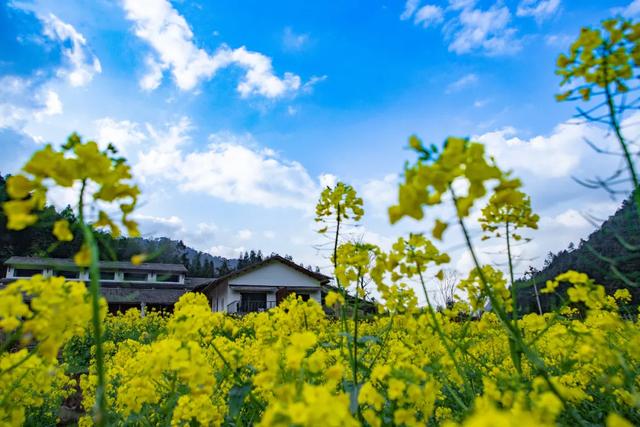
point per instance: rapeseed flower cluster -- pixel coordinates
(38, 317)
(289, 365)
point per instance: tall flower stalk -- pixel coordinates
(96, 174)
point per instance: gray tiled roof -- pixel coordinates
(107, 265)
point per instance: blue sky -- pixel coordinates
(235, 113)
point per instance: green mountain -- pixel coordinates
(610, 255)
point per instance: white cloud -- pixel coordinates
(556, 155)
(562, 153)
(237, 173)
(462, 83)
(198, 236)
(468, 28)
(83, 64)
(25, 100)
(379, 194)
(269, 234)
(538, 9)
(124, 135)
(483, 30)
(231, 168)
(170, 36)
(314, 80)
(293, 41)
(226, 251)
(461, 4)
(409, 8)
(244, 234)
(428, 14)
(328, 180)
(164, 155)
(571, 218)
(479, 103)
(52, 105)
(629, 11)
(153, 77)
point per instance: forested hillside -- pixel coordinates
(610, 255)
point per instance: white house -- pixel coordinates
(257, 287)
(262, 286)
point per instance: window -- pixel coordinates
(253, 301)
(305, 297)
(135, 277)
(26, 272)
(69, 274)
(107, 275)
(169, 278)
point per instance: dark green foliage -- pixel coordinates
(249, 258)
(36, 240)
(610, 255)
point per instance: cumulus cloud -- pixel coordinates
(328, 180)
(124, 135)
(82, 63)
(164, 154)
(379, 194)
(231, 167)
(556, 155)
(23, 100)
(234, 172)
(153, 77)
(562, 153)
(198, 236)
(171, 38)
(538, 9)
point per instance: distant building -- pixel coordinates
(124, 285)
(263, 285)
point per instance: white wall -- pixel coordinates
(220, 297)
(273, 274)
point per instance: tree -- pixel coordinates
(223, 269)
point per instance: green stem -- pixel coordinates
(100, 409)
(343, 314)
(615, 124)
(514, 333)
(441, 334)
(618, 131)
(355, 341)
(516, 354)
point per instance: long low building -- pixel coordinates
(257, 287)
